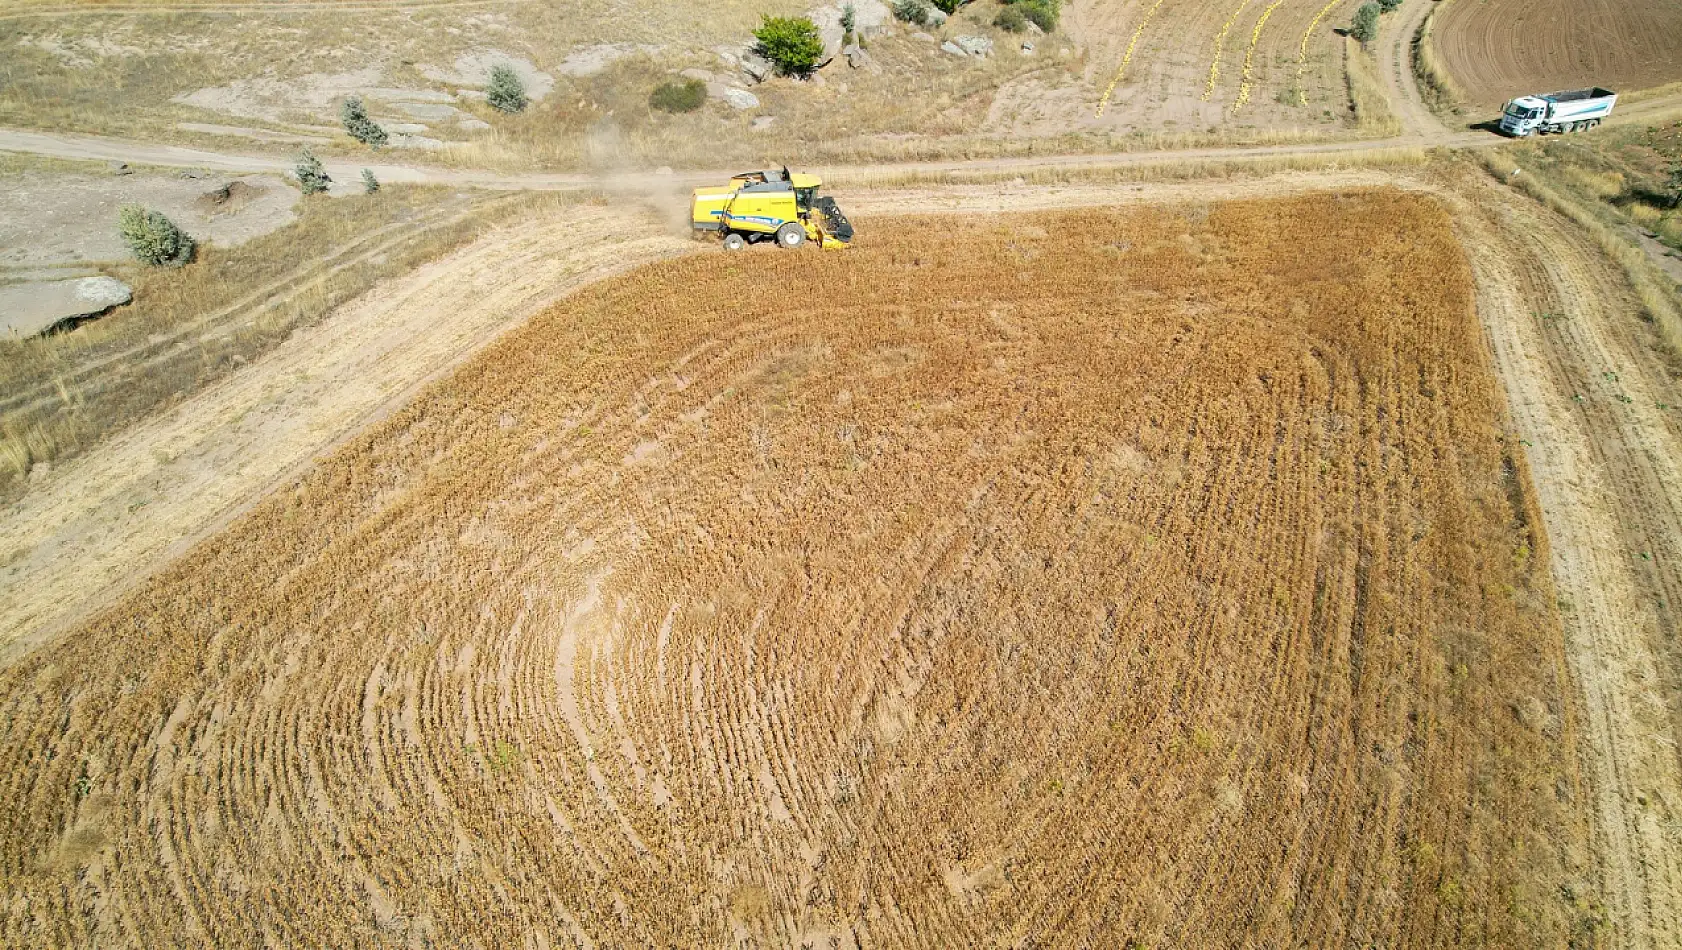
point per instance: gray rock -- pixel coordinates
(700, 74)
(473, 125)
(976, 45)
(856, 56)
(920, 35)
(756, 68)
(741, 99)
(762, 122)
(953, 48)
(936, 17)
(121, 168)
(28, 309)
(1034, 29)
(429, 110)
(1027, 48)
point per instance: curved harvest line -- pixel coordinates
(1220, 46)
(1250, 55)
(1308, 34)
(1121, 71)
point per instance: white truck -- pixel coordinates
(1557, 111)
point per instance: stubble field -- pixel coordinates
(1159, 575)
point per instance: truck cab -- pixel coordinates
(1523, 115)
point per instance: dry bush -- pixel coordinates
(1159, 576)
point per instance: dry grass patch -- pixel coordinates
(189, 326)
(1171, 558)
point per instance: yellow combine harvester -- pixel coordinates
(770, 205)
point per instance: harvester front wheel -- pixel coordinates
(734, 242)
(791, 235)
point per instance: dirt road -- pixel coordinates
(1588, 401)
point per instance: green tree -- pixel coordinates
(361, 128)
(370, 184)
(153, 238)
(1011, 20)
(792, 44)
(1389, 6)
(1365, 27)
(312, 176)
(506, 93)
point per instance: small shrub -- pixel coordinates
(312, 176)
(506, 93)
(1011, 20)
(1365, 27)
(849, 19)
(1389, 6)
(1041, 13)
(912, 11)
(370, 184)
(792, 44)
(153, 238)
(361, 128)
(949, 7)
(678, 96)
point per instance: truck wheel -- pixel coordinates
(791, 235)
(734, 242)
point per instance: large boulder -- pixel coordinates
(870, 17)
(976, 45)
(741, 99)
(28, 309)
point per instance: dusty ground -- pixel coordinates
(677, 619)
(49, 220)
(1498, 49)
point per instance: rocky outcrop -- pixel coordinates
(28, 309)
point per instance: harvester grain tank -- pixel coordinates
(1570, 111)
(770, 205)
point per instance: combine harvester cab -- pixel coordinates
(1570, 111)
(770, 205)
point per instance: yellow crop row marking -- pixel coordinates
(1220, 46)
(1250, 56)
(1308, 34)
(1104, 101)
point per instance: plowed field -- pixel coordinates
(1498, 49)
(1159, 574)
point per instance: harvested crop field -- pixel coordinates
(1158, 575)
(1498, 49)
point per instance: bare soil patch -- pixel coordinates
(49, 219)
(1172, 557)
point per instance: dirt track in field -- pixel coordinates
(685, 619)
(1586, 389)
(1498, 49)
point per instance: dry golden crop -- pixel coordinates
(1157, 575)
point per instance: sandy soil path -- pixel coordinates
(111, 516)
(1587, 395)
